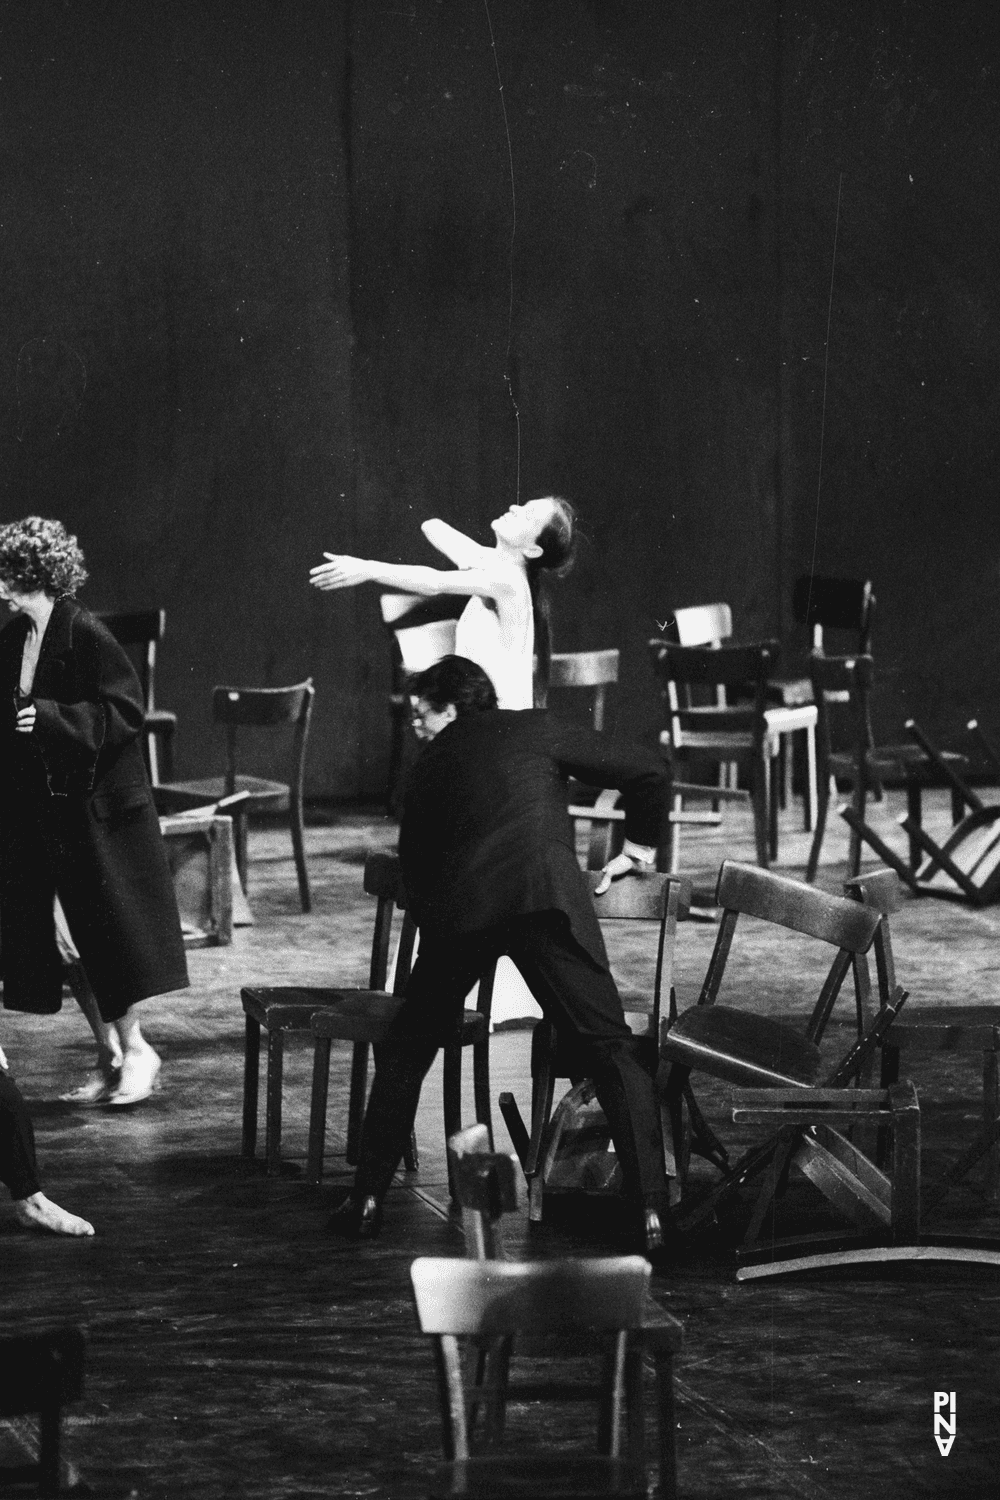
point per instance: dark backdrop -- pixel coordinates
(280, 276)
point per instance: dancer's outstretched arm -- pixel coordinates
(459, 548)
(341, 572)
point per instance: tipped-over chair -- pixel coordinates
(140, 632)
(638, 897)
(736, 1043)
(597, 1304)
(865, 766)
(970, 1030)
(255, 708)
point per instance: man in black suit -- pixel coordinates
(489, 864)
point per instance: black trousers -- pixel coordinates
(575, 992)
(18, 1169)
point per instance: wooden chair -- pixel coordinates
(597, 816)
(726, 734)
(712, 625)
(751, 1050)
(256, 708)
(973, 1030)
(644, 897)
(967, 865)
(39, 1374)
(284, 1011)
(420, 631)
(140, 632)
(867, 768)
(843, 604)
(592, 1302)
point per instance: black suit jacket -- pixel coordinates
(486, 835)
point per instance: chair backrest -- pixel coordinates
(836, 680)
(596, 670)
(142, 630)
(835, 604)
(850, 928)
(501, 1299)
(485, 1184)
(880, 890)
(423, 630)
(739, 727)
(703, 625)
(383, 879)
(648, 896)
(266, 708)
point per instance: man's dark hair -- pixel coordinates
(454, 679)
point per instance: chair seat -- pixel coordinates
(518, 1476)
(291, 1008)
(176, 796)
(904, 763)
(789, 718)
(741, 1047)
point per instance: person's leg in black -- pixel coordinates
(579, 996)
(19, 1169)
(446, 969)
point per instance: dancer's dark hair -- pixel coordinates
(457, 680)
(557, 542)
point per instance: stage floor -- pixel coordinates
(235, 1349)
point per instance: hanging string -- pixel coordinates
(826, 374)
(510, 260)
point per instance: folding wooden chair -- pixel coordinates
(751, 1050)
(140, 632)
(598, 1304)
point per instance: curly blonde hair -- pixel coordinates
(40, 555)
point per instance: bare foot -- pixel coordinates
(39, 1212)
(99, 1086)
(139, 1076)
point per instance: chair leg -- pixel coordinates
(299, 851)
(854, 848)
(317, 1108)
(481, 1086)
(888, 1075)
(48, 1450)
(817, 841)
(239, 817)
(811, 794)
(272, 1108)
(759, 798)
(251, 1083)
(991, 1109)
(452, 1099)
(773, 772)
(542, 1090)
(356, 1101)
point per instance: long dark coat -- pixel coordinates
(486, 834)
(77, 818)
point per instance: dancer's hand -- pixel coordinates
(25, 719)
(339, 572)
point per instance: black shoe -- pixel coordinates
(661, 1241)
(357, 1218)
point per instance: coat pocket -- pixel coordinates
(110, 806)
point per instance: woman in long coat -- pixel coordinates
(77, 819)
